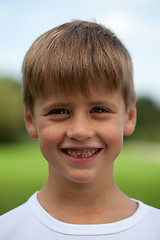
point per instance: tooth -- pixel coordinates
(85, 154)
(76, 153)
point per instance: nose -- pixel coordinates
(80, 129)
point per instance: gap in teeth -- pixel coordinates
(80, 153)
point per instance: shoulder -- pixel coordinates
(154, 214)
(14, 217)
(19, 214)
(11, 221)
(17, 223)
(150, 221)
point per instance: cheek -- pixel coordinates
(49, 139)
(112, 133)
(112, 136)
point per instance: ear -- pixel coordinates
(30, 125)
(130, 121)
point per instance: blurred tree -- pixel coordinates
(148, 121)
(11, 111)
(148, 112)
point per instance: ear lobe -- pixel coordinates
(30, 125)
(130, 121)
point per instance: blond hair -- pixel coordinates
(74, 56)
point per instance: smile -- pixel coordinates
(77, 153)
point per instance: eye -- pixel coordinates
(99, 110)
(59, 111)
(100, 113)
(59, 114)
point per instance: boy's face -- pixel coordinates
(80, 137)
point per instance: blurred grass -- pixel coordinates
(137, 172)
(23, 171)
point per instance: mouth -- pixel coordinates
(81, 153)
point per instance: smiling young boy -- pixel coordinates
(79, 102)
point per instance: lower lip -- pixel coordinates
(84, 160)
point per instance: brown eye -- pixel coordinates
(99, 110)
(59, 111)
(58, 114)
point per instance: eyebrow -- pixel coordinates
(54, 105)
(102, 103)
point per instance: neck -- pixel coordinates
(85, 203)
(61, 191)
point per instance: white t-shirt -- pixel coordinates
(30, 222)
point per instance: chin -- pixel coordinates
(85, 177)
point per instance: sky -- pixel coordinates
(135, 22)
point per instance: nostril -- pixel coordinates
(79, 133)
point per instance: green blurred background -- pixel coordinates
(24, 171)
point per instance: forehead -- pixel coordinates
(87, 90)
(94, 96)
